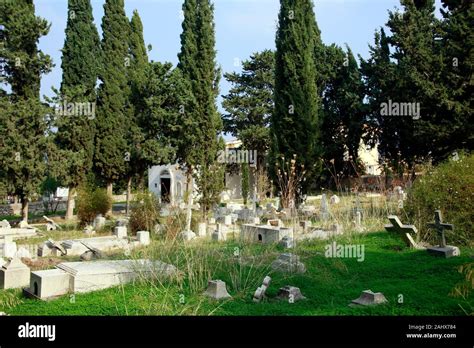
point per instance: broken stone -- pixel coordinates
(287, 242)
(187, 235)
(290, 294)
(51, 225)
(23, 253)
(14, 274)
(99, 222)
(261, 290)
(288, 263)
(369, 298)
(89, 255)
(334, 199)
(8, 248)
(217, 290)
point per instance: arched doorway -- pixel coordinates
(165, 186)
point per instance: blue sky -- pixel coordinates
(242, 27)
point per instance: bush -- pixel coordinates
(448, 187)
(90, 202)
(144, 212)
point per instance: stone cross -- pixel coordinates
(439, 226)
(405, 231)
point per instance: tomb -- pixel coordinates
(81, 277)
(14, 274)
(264, 233)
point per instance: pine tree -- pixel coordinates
(80, 67)
(112, 155)
(295, 125)
(249, 103)
(199, 144)
(24, 143)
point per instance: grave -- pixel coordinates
(17, 233)
(81, 277)
(8, 247)
(442, 249)
(306, 225)
(217, 290)
(261, 290)
(99, 222)
(187, 235)
(220, 234)
(334, 199)
(264, 233)
(286, 242)
(143, 237)
(14, 274)
(290, 294)
(288, 263)
(50, 224)
(404, 231)
(202, 229)
(120, 231)
(324, 211)
(369, 298)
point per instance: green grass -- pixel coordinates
(424, 282)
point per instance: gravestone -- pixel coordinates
(217, 290)
(334, 199)
(306, 225)
(288, 263)
(259, 294)
(442, 250)
(14, 274)
(8, 247)
(143, 237)
(290, 294)
(228, 220)
(120, 231)
(5, 224)
(406, 232)
(202, 229)
(220, 234)
(369, 298)
(324, 212)
(99, 222)
(50, 224)
(187, 235)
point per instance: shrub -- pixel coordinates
(144, 212)
(448, 187)
(90, 202)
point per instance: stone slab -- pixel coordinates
(447, 252)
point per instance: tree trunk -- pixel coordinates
(24, 209)
(189, 190)
(129, 194)
(70, 203)
(110, 193)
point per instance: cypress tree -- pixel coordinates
(112, 156)
(199, 144)
(23, 125)
(295, 124)
(80, 66)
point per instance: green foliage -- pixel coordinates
(249, 103)
(111, 157)
(90, 202)
(295, 124)
(448, 187)
(144, 213)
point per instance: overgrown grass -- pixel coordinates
(329, 284)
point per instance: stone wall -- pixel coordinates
(33, 208)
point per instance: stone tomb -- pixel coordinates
(77, 247)
(265, 234)
(17, 233)
(81, 277)
(14, 274)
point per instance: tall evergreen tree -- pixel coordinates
(80, 66)
(23, 126)
(344, 116)
(199, 145)
(249, 103)
(295, 124)
(112, 155)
